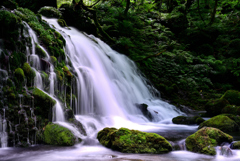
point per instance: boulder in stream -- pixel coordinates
(236, 145)
(55, 134)
(133, 141)
(205, 139)
(187, 120)
(221, 122)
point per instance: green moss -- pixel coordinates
(29, 72)
(26, 14)
(62, 23)
(133, 141)
(232, 96)
(221, 122)
(214, 107)
(205, 139)
(9, 24)
(17, 60)
(19, 74)
(235, 118)
(54, 59)
(43, 103)
(37, 93)
(40, 52)
(236, 145)
(67, 72)
(57, 135)
(50, 12)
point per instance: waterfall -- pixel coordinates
(58, 114)
(108, 84)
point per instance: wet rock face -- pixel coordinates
(57, 135)
(205, 139)
(221, 122)
(187, 120)
(133, 141)
(144, 109)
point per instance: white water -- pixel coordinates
(108, 83)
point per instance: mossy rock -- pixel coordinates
(43, 103)
(50, 12)
(235, 118)
(29, 72)
(55, 134)
(54, 59)
(187, 120)
(221, 122)
(214, 107)
(232, 96)
(10, 24)
(231, 109)
(62, 23)
(236, 145)
(133, 141)
(40, 52)
(43, 97)
(19, 73)
(204, 140)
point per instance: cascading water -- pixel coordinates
(108, 84)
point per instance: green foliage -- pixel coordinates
(232, 96)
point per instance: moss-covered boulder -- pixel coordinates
(235, 118)
(57, 135)
(40, 52)
(214, 107)
(43, 103)
(187, 120)
(133, 141)
(50, 12)
(19, 73)
(232, 96)
(236, 145)
(29, 72)
(205, 139)
(231, 109)
(221, 122)
(62, 23)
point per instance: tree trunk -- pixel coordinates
(127, 8)
(214, 12)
